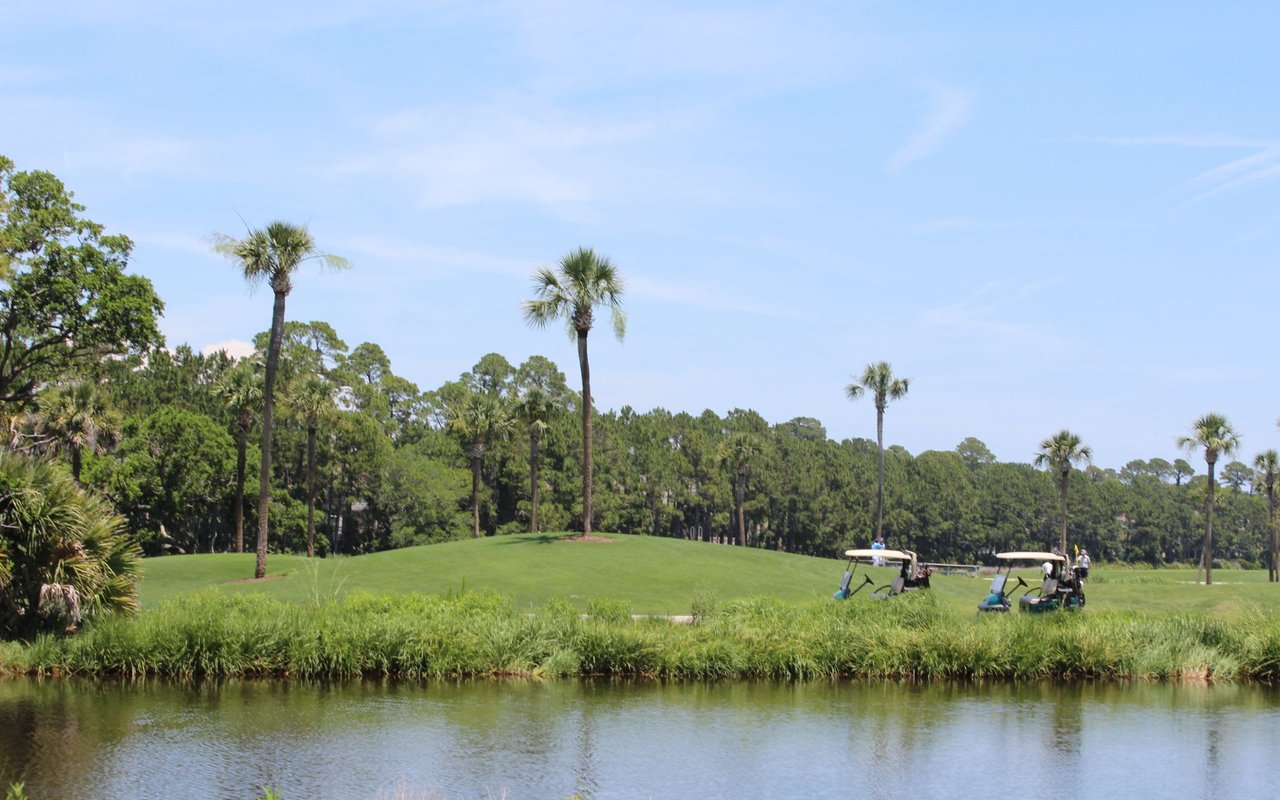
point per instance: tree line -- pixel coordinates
(353, 458)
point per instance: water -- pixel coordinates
(75, 739)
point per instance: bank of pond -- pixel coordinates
(475, 634)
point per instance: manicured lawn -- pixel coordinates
(656, 575)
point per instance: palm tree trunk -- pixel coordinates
(75, 464)
(242, 446)
(1271, 530)
(739, 490)
(311, 491)
(1208, 531)
(1062, 541)
(879, 471)
(475, 491)
(533, 483)
(586, 433)
(268, 403)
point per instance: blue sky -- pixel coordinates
(1045, 215)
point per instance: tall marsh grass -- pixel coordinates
(481, 634)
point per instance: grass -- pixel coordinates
(481, 634)
(654, 576)
(544, 606)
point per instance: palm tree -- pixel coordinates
(1059, 452)
(879, 381)
(241, 391)
(1267, 465)
(478, 419)
(534, 409)
(273, 254)
(65, 554)
(582, 281)
(1213, 434)
(77, 417)
(312, 400)
(737, 452)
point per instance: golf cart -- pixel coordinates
(1059, 590)
(910, 574)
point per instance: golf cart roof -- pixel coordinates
(887, 555)
(1030, 555)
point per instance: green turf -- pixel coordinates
(656, 575)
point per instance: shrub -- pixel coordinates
(64, 555)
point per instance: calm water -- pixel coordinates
(72, 739)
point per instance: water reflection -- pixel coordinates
(73, 739)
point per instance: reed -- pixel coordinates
(914, 637)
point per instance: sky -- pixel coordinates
(1044, 215)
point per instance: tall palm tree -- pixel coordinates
(737, 452)
(478, 419)
(241, 391)
(272, 254)
(879, 381)
(1267, 464)
(77, 417)
(582, 281)
(312, 401)
(1213, 434)
(1059, 452)
(534, 408)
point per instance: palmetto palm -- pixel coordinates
(571, 292)
(534, 409)
(79, 418)
(737, 452)
(878, 380)
(1267, 464)
(312, 401)
(1215, 436)
(241, 391)
(1059, 452)
(272, 254)
(64, 553)
(478, 419)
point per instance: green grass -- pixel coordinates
(482, 634)
(655, 576)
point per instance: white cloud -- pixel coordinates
(577, 43)
(979, 313)
(510, 149)
(951, 109)
(1257, 167)
(235, 348)
(708, 298)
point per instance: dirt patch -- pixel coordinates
(256, 580)
(586, 539)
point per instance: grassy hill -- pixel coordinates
(656, 575)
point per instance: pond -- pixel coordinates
(516, 739)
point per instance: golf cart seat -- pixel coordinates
(997, 590)
(1048, 593)
(894, 588)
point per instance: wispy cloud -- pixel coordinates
(980, 313)
(430, 257)
(951, 107)
(648, 40)
(510, 149)
(707, 298)
(1259, 166)
(961, 224)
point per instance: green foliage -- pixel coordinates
(916, 636)
(174, 469)
(64, 555)
(65, 300)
